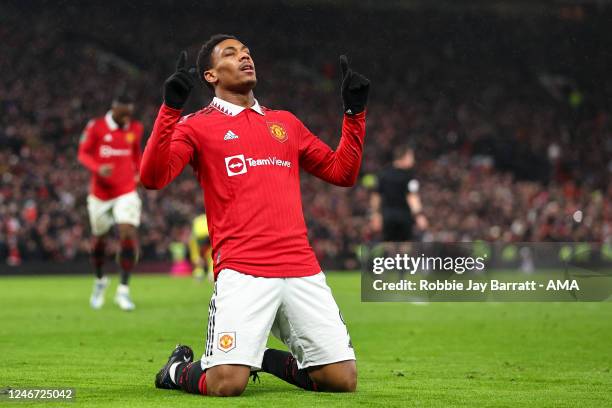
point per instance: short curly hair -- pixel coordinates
(204, 62)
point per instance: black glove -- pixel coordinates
(354, 89)
(179, 84)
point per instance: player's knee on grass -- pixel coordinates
(336, 377)
(227, 380)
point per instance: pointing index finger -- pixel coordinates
(344, 64)
(180, 63)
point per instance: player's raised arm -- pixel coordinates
(137, 151)
(340, 167)
(170, 147)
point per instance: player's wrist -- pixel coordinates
(420, 217)
(168, 108)
(374, 215)
(359, 115)
(174, 104)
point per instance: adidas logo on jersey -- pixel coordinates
(230, 135)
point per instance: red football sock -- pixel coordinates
(284, 366)
(98, 253)
(127, 259)
(191, 378)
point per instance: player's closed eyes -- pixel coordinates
(232, 51)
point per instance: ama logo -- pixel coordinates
(235, 165)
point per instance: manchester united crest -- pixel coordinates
(129, 137)
(227, 341)
(278, 131)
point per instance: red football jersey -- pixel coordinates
(104, 142)
(248, 164)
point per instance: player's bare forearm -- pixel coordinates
(375, 216)
(416, 207)
(160, 164)
(375, 202)
(414, 202)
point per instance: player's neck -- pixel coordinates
(245, 100)
(119, 125)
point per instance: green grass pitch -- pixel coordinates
(436, 355)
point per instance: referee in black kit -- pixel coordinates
(397, 204)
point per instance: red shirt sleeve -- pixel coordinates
(340, 167)
(136, 149)
(170, 147)
(87, 147)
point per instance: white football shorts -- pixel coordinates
(124, 209)
(301, 312)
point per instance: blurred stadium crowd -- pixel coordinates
(511, 116)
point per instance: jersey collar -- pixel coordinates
(230, 109)
(110, 122)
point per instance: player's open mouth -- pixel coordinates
(247, 68)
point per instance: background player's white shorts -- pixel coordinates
(124, 209)
(301, 312)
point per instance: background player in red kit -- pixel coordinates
(110, 149)
(247, 159)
